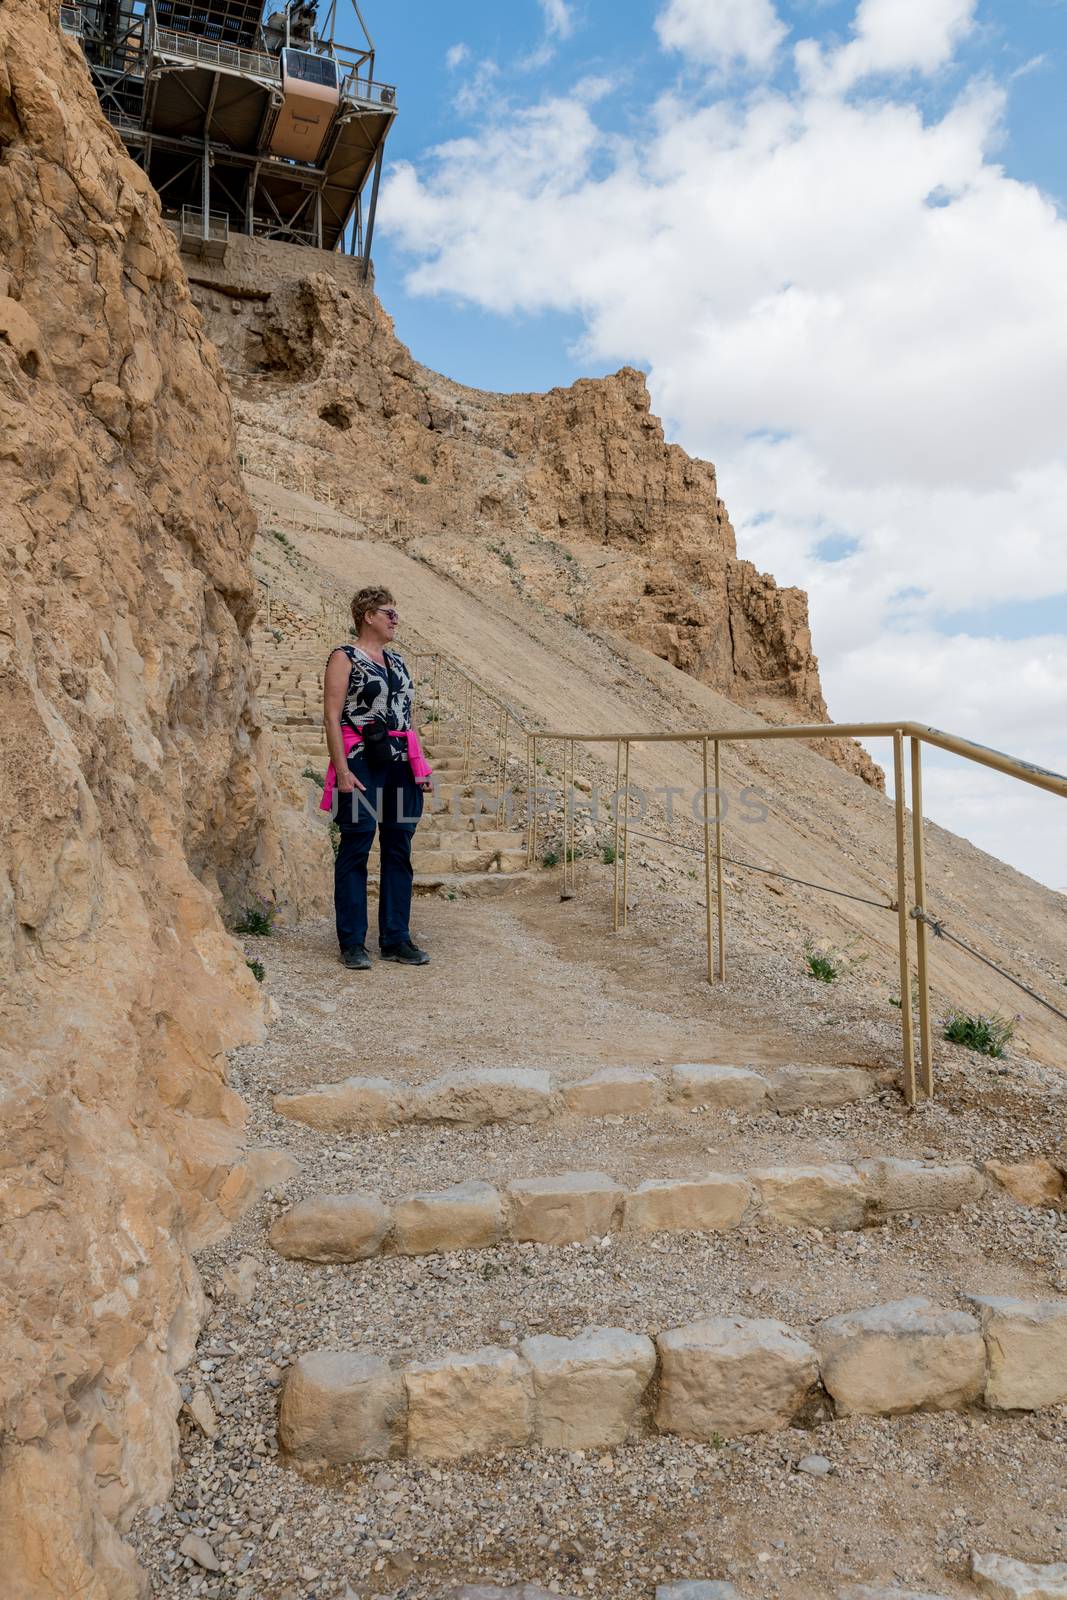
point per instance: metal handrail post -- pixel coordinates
(532, 800)
(926, 1047)
(720, 897)
(626, 838)
(617, 844)
(707, 872)
(903, 922)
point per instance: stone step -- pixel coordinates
(718, 1378)
(478, 859)
(577, 1207)
(483, 1095)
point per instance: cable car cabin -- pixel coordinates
(310, 97)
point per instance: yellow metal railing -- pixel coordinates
(917, 733)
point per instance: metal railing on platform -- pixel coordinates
(208, 53)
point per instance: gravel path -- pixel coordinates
(524, 981)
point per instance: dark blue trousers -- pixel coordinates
(391, 806)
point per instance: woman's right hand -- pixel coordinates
(347, 782)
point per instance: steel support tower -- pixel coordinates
(265, 127)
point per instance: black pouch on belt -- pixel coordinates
(377, 745)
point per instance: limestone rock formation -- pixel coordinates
(134, 801)
(572, 497)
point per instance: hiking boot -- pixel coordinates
(356, 958)
(408, 954)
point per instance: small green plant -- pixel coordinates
(281, 537)
(826, 963)
(894, 999)
(257, 969)
(309, 772)
(987, 1035)
(278, 635)
(607, 855)
(258, 919)
(335, 838)
(550, 859)
(490, 1270)
(421, 477)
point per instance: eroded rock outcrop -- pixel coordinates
(134, 801)
(572, 497)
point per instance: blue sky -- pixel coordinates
(833, 234)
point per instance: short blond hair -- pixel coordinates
(369, 599)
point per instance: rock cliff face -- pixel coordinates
(134, 800)
(573, 497)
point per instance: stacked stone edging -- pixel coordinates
(519, 1094)
(1001, 1577)
(576, 1206)
(717, 1378)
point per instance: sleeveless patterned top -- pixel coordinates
(368, 694)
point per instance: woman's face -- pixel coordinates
(383, 623)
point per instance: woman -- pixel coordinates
(380, 774)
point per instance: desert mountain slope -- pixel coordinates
(572, 497)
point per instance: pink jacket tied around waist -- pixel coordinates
(420, 767)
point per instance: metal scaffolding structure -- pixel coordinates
(270, 127)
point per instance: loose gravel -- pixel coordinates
(526, 982)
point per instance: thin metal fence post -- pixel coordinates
(626, 838)
(707, 872)
(903, 921)
(720, 894)
(501, 808)
(926, 1046)
(532, 802)
(618, 840)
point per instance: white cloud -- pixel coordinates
(856, 313)
(721, 33)
(559, 20)
(891, 36)
(456, 56)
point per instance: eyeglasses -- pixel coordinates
(387, 611)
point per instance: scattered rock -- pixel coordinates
(1007, 1579)
(202, 1412)
(198, 1550)
(815, 1466)
(1032, 1183)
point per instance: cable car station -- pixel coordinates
(269, 128)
